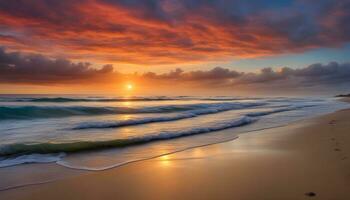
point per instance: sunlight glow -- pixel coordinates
(129, 86)
(165, 161)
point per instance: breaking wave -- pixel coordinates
(50, 148)
(32, 112)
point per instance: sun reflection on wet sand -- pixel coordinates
(165, 161)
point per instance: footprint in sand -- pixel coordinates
(332, 122)
(310, 194)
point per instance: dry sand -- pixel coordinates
(304, 160)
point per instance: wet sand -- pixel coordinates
(304, 160)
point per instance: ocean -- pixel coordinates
(99, 132)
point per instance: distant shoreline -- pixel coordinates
(343, 95)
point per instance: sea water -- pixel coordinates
(98, 133)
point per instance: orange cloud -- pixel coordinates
(170, 31)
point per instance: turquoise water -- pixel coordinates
(76, 132)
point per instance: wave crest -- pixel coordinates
(30, 112)
(47, 148)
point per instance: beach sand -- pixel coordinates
(304, 160)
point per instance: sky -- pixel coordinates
(175, 47)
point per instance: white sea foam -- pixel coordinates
(35, 150)
(216, 108)
(31, 158)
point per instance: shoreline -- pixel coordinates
(228, 155)
(88, 170)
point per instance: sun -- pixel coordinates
(129, 86)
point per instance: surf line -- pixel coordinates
(128, 162)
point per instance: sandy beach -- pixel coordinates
(174, 100)
(304, 160)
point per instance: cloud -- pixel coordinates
(318, 74)
(172, 31)
(38, 69)
(17, 68)
(215, 74)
